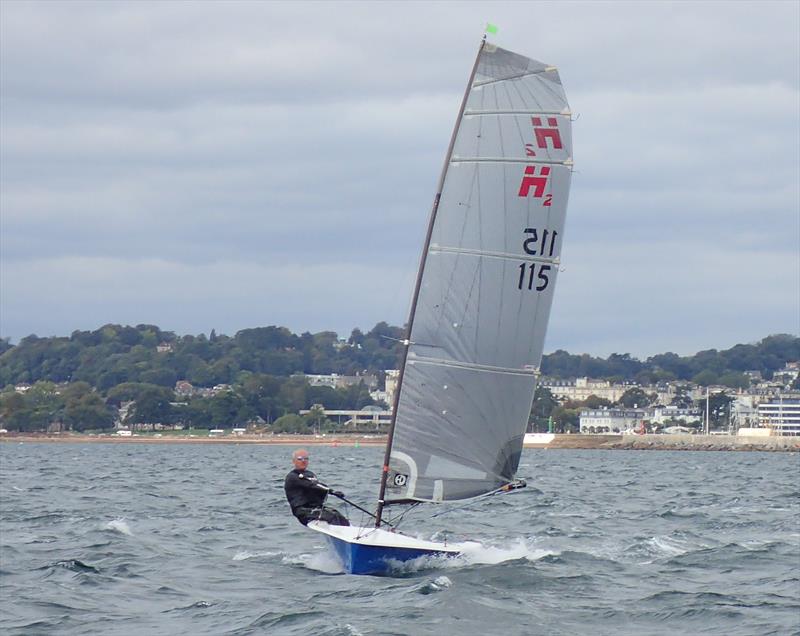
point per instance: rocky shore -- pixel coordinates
(675, 442)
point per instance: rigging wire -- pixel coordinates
(516, 485)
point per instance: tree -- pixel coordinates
(719, 409)
(5, 345)
(290, 423)
(292, 397)
(566, 419)
(152, 406)
(634, 397)
(735, 380)
(87, 412)
(356, 396)
(594, 402)
(261, 392)
(682, 398)
(316, 418)
(705, 378)
(228, 410)
(543, 406)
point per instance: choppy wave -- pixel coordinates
(120, 526)
(606, 543)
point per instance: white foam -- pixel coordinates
(244, 554)
(442, 582)
(479, 554)
(119, 525)
(320, 561)
(667, 546)
(474, 553)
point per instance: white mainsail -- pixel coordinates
(486, 285)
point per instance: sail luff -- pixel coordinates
(415, 297)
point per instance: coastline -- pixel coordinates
(558, 442)
(276, 440)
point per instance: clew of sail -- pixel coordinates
(487, 278)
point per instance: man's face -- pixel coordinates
(300, 461)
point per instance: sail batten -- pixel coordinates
(483, 296)
(515, 77)
(565, 162)
(470, 365)
(508, 111)
(504, 255)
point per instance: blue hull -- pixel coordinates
(368, 559)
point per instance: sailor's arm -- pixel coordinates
(310, 483)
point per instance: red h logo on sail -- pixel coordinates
(543, 133)
(531, 180)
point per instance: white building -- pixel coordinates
(788, 374)
(610, 420)
(369, 416)
(781, 414)
(665, 414)
(581, 388)
(336, 381)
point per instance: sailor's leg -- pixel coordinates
(334, 517)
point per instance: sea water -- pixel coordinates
(197, 539)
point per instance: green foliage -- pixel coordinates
(718, 408)
(290, 423)
(766, 357)
(635, 397)
(594, 402)
(72, 375)
(77, 407)
(152, 406)
(566, 418)
(734, 380)
(114, 355)
(543, 406)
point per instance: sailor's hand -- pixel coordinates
(337, 493)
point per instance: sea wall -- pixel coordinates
(673, 442)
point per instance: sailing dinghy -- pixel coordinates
(480, 307)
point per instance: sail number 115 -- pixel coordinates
(535, 275)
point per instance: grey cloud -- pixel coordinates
(236, 164)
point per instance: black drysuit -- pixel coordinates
(306, 496)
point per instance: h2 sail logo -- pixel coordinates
(530, 181)
(546, 136)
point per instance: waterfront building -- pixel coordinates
(744, 413)
(391, 385)
(671, 414)
(336, 381)
(781, 414)
(372, 417)
(610, 420)
(580, 389)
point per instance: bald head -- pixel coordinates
(300, 458)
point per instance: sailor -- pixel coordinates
(306, 494)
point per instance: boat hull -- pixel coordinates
(377, 551)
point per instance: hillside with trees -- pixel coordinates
(79, 382)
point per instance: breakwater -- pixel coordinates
(673, 442)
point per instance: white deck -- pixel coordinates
(379, 537)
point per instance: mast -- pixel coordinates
(418, 285)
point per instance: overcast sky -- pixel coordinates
(233, 165)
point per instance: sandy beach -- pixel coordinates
(285, 440)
